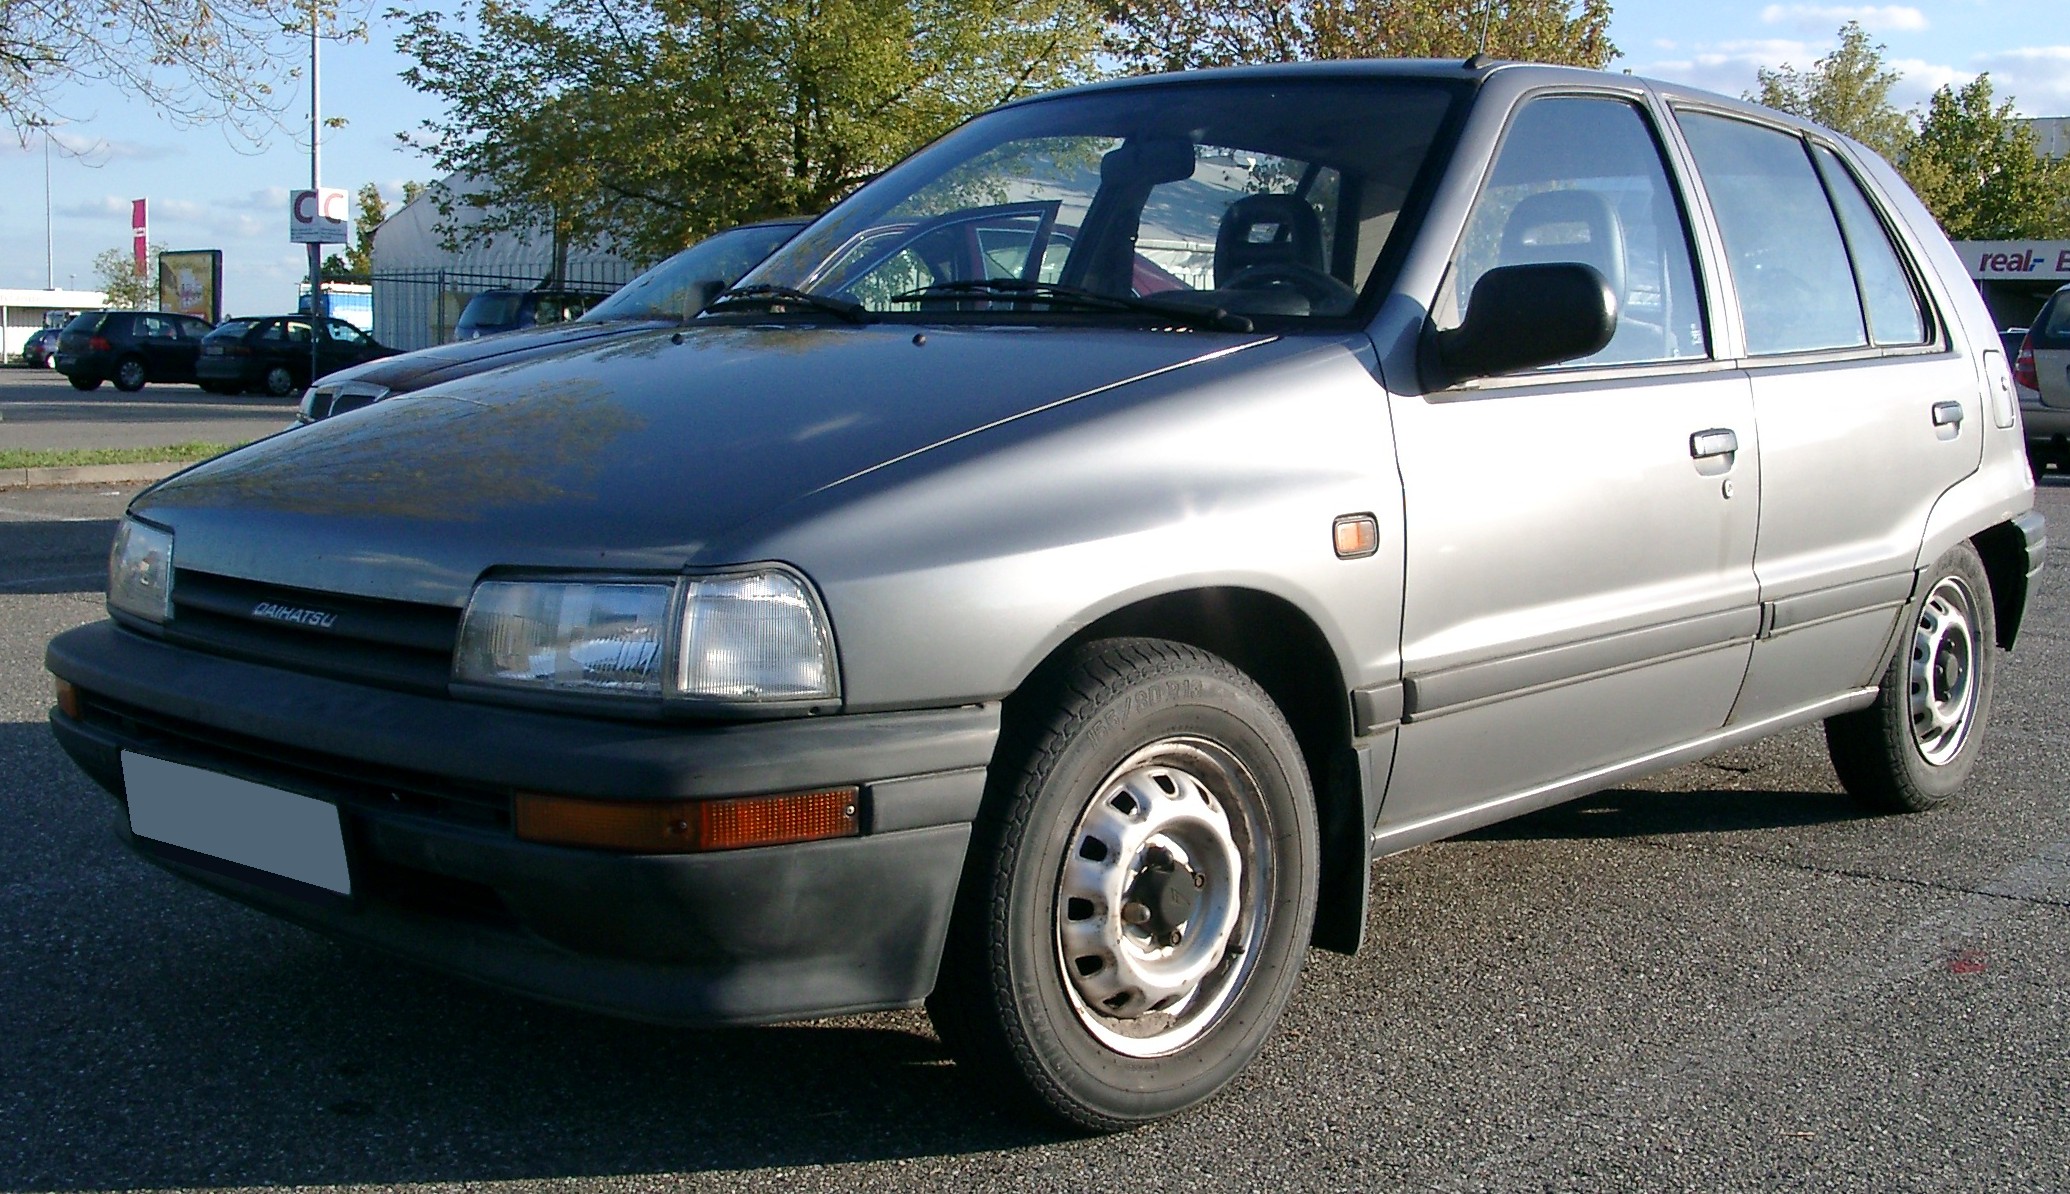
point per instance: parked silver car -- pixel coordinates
(2041, 367)
(1043, 587)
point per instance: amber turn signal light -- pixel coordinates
(687, 826)
(1356, 536)
(67, 698)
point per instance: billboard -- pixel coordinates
(191, 283)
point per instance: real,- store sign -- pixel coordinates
(2016, 260)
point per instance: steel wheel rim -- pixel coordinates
(130, 374)
(1942, 683)
(1157, 919)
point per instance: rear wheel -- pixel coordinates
(1140, 892)
(131, 375)
(1913, 749)
(280, 381)
(83, 383)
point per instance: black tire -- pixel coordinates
(1215, 891)
(1914, 748)
(88, 384)
(131, 375)
(279, 381)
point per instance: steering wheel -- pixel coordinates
(1325, 294)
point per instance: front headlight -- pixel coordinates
(756, 637)
(140, 571)
(567, 636)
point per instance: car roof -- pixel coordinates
(1475, 70)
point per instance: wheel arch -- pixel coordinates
(1274, 642)
(2003, 548)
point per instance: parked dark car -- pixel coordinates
(668, 294)
(271, 354)
(130, 348)
(40, 348)
(937, 620)
(496, 311)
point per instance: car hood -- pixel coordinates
(650, 452)
(429, 366)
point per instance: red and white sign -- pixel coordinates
(318, 217)
(139, 230)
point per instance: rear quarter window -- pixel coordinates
(2051, 328)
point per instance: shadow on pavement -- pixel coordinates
(55, 557)
(161, 1036)
(1629, 812)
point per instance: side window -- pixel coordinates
(1892, 304)
(272, 333)
(1581, 179)
(2052, 323)
(1782, 241)
(344, 333)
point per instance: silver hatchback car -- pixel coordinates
(1044, 586)
(2041, 369)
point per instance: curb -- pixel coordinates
(91, 474)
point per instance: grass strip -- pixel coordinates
(77, 457)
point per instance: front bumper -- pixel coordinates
(423, 786)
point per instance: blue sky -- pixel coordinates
(210, 190)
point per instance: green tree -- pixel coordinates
(356, 263)
(1978, 169)
(1848, 91)
(115, 270)
(645, 124)
(219, 63)
(1163, 35)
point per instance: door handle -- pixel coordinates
(1947, 414)
(1717, 441)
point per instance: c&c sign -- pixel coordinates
(318, 217)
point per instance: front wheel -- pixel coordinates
(87, 384)
(1140, 892)
(1913, 749)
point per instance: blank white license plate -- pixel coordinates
(237, 821)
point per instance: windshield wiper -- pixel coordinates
(1056, 294)
(786, 296)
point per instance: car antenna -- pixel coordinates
(1480, 57)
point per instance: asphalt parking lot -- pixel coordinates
(40, 409)
(1723, 978)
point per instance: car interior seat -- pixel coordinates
(1270, 249)
(1582, 226)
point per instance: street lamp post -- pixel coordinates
(315, 184)
(49, 259)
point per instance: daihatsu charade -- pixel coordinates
(1042, 587)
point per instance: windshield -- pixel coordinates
(679, 287)
(1259, 197)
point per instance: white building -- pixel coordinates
(23, 312)
(420, 286)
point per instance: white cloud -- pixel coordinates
(1818, 18)
(1730, 68)
(2036, 79)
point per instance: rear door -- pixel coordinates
(1867, 411)
(1579, 539)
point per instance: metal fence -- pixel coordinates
(419, 308)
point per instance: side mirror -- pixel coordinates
(1524, 316)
